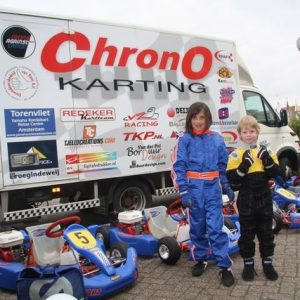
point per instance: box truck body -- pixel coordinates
(90, 112)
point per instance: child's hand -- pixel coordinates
(227, 190)
(186, 199)
(246, 163)
(263, 153)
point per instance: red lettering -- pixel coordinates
(152, 57)
(188, 61)
(125, 55)
(51, 48)
(115, 56)
(100, 48)
(148, 134)
(164, 60)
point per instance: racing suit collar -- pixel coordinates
(200, 132)
(246, 146)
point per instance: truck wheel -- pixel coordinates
(286, 166)
(168, 250)
(131, 195)
(102, 233)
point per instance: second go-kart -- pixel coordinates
(230, 210)
(287, 204)
(51, 244)
(159, 230)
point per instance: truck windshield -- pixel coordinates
(258, 107)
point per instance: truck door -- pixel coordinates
(257, 106)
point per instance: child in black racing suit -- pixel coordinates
(250, 167)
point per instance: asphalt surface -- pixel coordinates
(159, 281)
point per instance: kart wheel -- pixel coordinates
(229, 224)
(118, 250)
(168, 250)
(296, 181)
(102, 233)
(286, 167)
(277, 222)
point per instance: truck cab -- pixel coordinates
(274, 129)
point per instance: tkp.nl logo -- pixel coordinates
(20, 83)
(18, 42)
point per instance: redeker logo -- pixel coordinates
(223, 113)
(18, 42)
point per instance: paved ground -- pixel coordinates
(157, 281)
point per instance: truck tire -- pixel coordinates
(286, 166)
(168, 250)
(131, 195)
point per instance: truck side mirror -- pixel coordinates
(283, 117)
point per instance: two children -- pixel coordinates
(201, 172)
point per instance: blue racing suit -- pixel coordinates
(203, 154)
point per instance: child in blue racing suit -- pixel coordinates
(200, 170)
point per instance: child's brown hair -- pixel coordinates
(194, 109)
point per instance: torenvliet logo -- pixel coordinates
(119, 56)
(87, 114)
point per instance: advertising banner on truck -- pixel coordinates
(91, 101)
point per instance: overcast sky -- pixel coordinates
(265, 31)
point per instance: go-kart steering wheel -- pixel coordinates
(175, 207)
(63, 222)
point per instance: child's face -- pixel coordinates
(199, 121)
(249, 135)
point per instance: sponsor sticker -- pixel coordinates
(20, 83)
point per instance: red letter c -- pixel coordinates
(49, 52)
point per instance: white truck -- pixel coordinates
(90, 112)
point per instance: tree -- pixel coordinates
(295, 125)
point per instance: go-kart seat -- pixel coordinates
(160, 223)
(45, 250)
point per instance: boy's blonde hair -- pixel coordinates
(248, 122)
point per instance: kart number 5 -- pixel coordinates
(82, 239)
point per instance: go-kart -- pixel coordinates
(159, 230)
(59, 244)
(287, 204)
(231, 227)
(230, 210)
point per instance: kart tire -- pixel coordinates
(229, 223)
(296, 182)
(119, 250)
(168, 250)
(286, 167)
(277, 222)
(102, 233)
